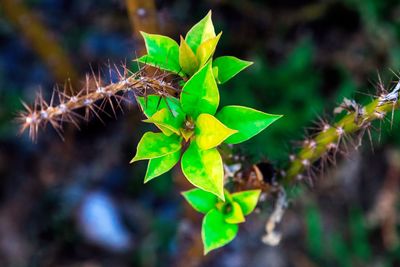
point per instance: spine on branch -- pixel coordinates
(328, 140)
(64, 107)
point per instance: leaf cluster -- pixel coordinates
(220, 223)
(192, 127)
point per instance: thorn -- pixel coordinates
(305, 162)
(340, 131)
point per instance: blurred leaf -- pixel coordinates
(341, 250)
(359, 235)
(314, 232)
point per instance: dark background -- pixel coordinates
(79, 203)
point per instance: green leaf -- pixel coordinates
(200, 200)
(165, 120)
(207, 49)
(155, 145)
(247, 200)
(228, 67)
(204, 169)
(153, 103)
(162, 52)
(200, 32)
(215, 232)
(200, 93)
(249, 122)
(215, 72)
(161, 165)
(210, 132)
(187, 58)
(235, 214)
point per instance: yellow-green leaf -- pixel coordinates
(187, 58)
(215, 232)
(200, 200)
(206, 49)
(200, 93)
(234, 214)
(249, 122)
(227, 67)
(165, 120)
(162, 52)
(200, 32)
(204, 169)
(186, 134)
(153, 104)
(161, 165)
(215, 73)
(210, 132)
(247, 200)
(155, 145)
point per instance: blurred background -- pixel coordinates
(79, 203)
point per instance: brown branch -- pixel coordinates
(63, 107)
(41, 39)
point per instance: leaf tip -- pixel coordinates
(232, 131)
(147, 177)
(143, 34)
(185, 193)
(206, 250)
(278, 116)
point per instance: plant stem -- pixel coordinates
(321, 144)
(65, 110)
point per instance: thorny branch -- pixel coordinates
(324, 146)
(64, 106)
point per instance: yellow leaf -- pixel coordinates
(210, 132)
(187, 59)
(206, 49)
